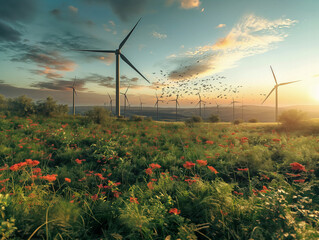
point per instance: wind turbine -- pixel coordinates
(74, 93)
(118, 54)
(156, 105)
(125, 100)
(217, 108)
(276, 88)
(176, 100)
(233, 102)
(141, 104)
(111, 101)
(200, 104)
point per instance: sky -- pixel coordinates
(220, 49)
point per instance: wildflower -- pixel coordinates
(149, 171)
(154, 165)
(67, 180)
(243, 169)
(174, 211)
(134, 200)
(150, 186)
(94, 197)
(223, 213)
(276, 140)
(244, 140)
(297, 166)
(78, 161)
(238, 193)
(299, 180)
(209, 142)
(212, 169)
(201, 162)
(36, 171)
(293, 175)
(188, 165)
(17, 166)
(264, 190)
(49, 178)
(4, 180)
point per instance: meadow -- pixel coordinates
(69, 178)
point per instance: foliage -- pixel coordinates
(49, 107)
(214, 118)
(137, 118)
(22, 106)
(292, 118)
(253, 120)
(238, 121)
(98, 115)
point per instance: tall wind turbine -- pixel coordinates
(110, 103)
(200, 104)
(141, 105)
(156, 105)
(118, 54)
(233, 102)
(125, 99)
(74, 93)
(276, 88)
(176, 100)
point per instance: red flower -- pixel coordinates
(264, 190)
(243, 169)
(67, 180)
(293, 175)
(17, 166)
(149, 171)
(49, 178)
(209, 142)
(244, 140)
(154, 165)
(94, 197)
(299, 180)
(150, 186)
(134, 200)
(188, 165)
(201, 162)
(174, 211)
(212, 169)
(238, 193)
(297, 166)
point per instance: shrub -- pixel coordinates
(22, 105)
(49, 108)
(196, 119)
(137, 118)
(98, 115)
(292, 118)
(214, 118)
(238, 121)
(253, 120)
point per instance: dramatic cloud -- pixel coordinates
(159, 35)
(8, 34)
(221, 25)
(107, 81)
(61, 85)
(49, 61)
(70, 15)
(124, 9)
(186, 4)
(252, 35)
(17, 10)
(73, 9)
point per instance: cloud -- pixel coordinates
(8, 34)
(159, 35)
(49, 61)
(188, 4)
(73, 9)
(252, 35)
(17, 10)
(221, 25)
(61, 85)
(124, 9)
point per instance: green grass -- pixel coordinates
(98, 181)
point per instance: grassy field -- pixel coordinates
(65, 178)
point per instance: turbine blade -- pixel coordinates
(273, 75)
(128, 35)
(127, 89)
(269, 94)
(75, 92)
(131, 65)
(288, 83)
(100, 51)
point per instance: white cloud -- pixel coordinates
(159, 35)
(188, 4)
(221, 25)
(73, 9)
(252, 35)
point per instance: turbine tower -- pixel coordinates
(156, 105)
(233, 102)
(176, 100)
(125, 100)
(141, 105)
(119, 55)
(217, 108)
(74, 93)
(276, 88)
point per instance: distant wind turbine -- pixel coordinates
(200, 104)
(233, 102)
(141, 105)
(74, 93)
(156, 105)
(118, 54)
(110, 103)
(217, 108)
(176, 100)
(276, 88)
(125, 100)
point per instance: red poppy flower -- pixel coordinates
(209, 142)
(201, 162)
(154, 165)
(299, 180)
(149, 171)
(67, 180)
(297, 166)
(174, 211)
(243, 169)
(150, 186)
(212, 169)
(188, 165)
(134, 200)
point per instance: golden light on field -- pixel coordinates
(315, 92)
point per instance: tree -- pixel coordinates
(22, 105)
(214, 118)
(46, 108)
(98, 115)
(292, 118)
(3, 103)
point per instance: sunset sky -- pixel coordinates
(219, 48)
